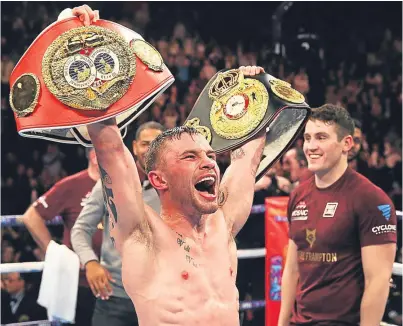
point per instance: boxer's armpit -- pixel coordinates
(108, 193)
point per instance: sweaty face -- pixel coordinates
(321, 147)
(140, 146)
(192, 174)
(355, 150)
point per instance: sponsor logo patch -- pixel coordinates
(330, 210)
(385, 210)
(386, 228)
(300, 213)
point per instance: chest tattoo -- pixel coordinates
(182, 243)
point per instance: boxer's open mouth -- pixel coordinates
(206, 184)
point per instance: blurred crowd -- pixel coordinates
(367, 81)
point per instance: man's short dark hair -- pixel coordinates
(357, 124)
(149, 125)
(330, 114)
(301, 158)
(157, 145)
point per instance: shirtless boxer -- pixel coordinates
(178, 268)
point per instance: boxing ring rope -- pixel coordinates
(29, 267)
(49, 323)
(36, 323)
(258, 209)
(15, 220)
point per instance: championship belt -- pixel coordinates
(74, 75)
(234, 108)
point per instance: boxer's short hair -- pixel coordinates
(333, 114)
(157, 145)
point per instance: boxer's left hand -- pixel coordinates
(86, 14)
(251, 70)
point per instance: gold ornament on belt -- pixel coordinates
(147, 54)
(195, 123)
(239, 104)
(24, 94)
(284, 91)
(89, 68)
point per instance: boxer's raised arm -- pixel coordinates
(238, 184)
(121, 184)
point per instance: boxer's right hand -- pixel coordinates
(86, 14)
(99, 279)
(251, 70)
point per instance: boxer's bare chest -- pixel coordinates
(196, 274)
(206, 266)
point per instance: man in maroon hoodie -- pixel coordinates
(66, 199)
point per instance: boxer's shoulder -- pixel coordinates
(365, 192)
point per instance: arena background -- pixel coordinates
(344, 53)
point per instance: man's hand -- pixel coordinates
(251, 70)
(98, 278)
(86, 14)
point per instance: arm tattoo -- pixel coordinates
(111, 227)
(222, 196)
(257, 158)
(108, 193)
(237, 154)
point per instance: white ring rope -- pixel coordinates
(242, 254)
(36, 323)
(28, 267)
(15, 220)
